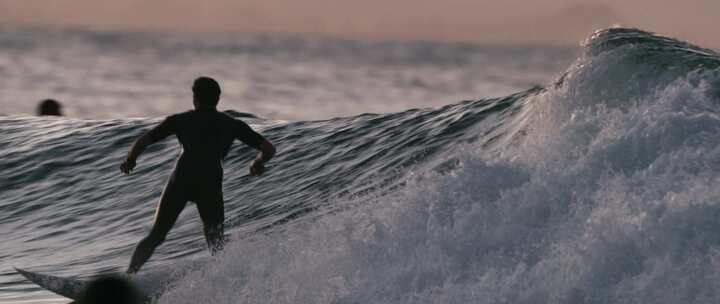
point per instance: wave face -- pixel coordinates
(599, 188)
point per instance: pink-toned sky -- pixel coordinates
(492, 21)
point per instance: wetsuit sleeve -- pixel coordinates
(164, 129)
(247, 135)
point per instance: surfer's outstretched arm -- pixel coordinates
(156, 134)
(267, 151)
(137, 148)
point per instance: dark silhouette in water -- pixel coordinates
(205, 136)
(49, 107)
(110, 290)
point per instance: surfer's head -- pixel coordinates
(206, 92)
(110, 290)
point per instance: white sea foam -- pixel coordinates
(600, 188)
(610, 196)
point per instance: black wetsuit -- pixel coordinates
(205, 136)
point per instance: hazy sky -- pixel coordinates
(507, 21)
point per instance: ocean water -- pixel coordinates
(101, 75)
(598, 186)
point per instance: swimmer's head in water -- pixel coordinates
(49, 107)
(206, 92)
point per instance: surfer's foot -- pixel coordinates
(132, 271)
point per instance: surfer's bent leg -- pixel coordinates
(212, 213)
(171, 204)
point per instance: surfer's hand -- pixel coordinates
(127, 166)
(257, 168)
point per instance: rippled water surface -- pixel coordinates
(120, 75)
(599, 186)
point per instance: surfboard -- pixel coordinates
(151, 282)
(66, 287)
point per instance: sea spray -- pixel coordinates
(607, 195)
(597, 188)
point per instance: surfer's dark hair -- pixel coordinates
(49, 107)
(110, 289)
(207, 90)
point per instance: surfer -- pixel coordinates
(205, 135)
